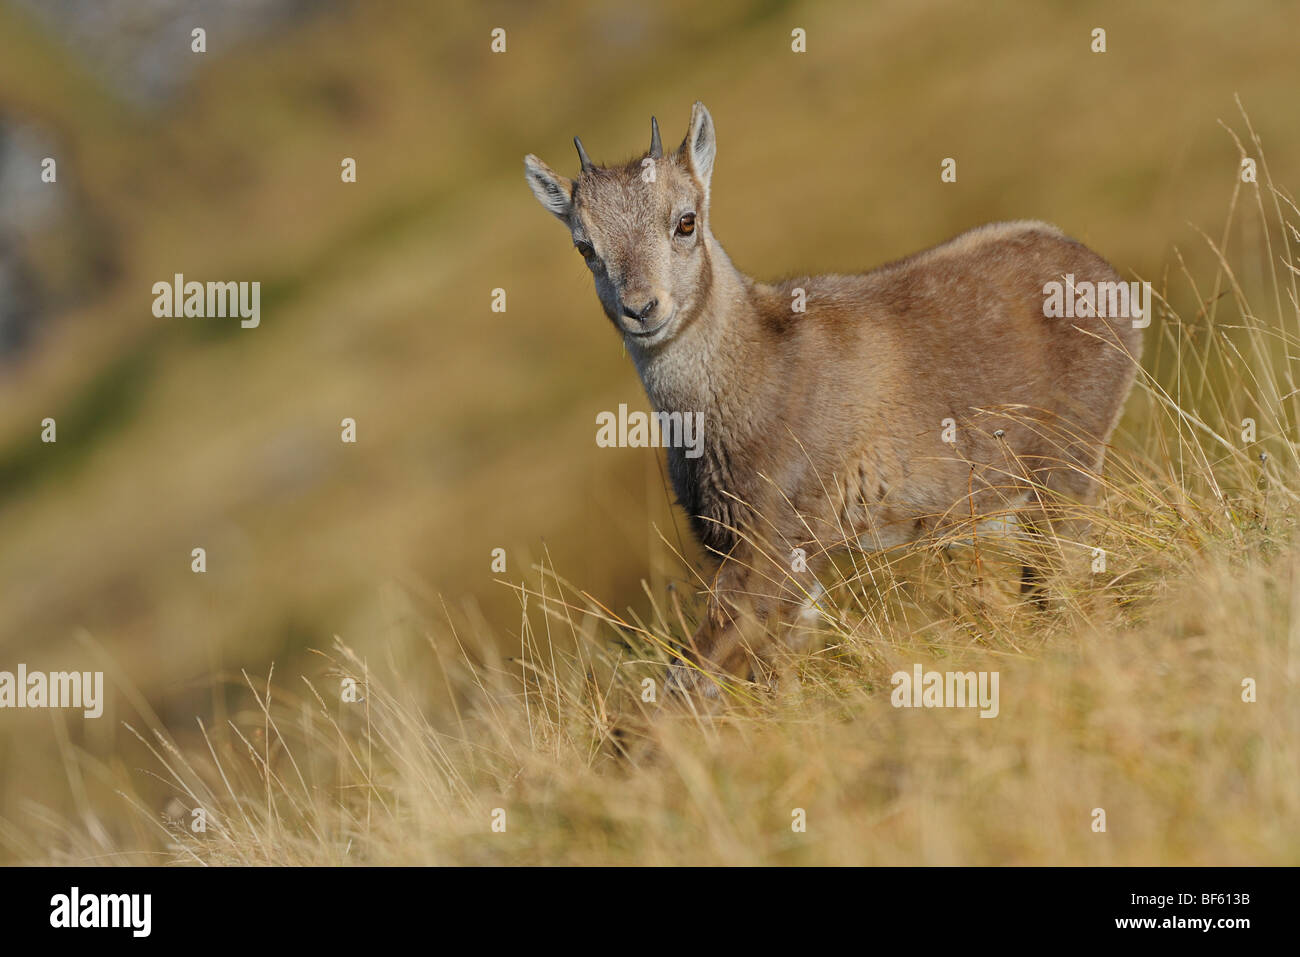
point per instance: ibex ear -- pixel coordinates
(700, 146)
(552, 190)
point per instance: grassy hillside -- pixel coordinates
(476, 431)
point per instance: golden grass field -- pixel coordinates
(521, 690)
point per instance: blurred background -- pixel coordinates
(475, 429)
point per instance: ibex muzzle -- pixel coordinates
(867, 411)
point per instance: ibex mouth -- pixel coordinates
(651, 333)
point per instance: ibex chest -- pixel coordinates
(707, 489)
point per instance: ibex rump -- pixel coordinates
(828, 425)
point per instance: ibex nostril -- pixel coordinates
(643, 313)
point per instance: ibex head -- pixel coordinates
(643, 229)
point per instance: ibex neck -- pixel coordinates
(714, 360)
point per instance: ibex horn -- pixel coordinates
(582, 155)
(656, 148)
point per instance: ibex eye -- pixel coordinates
(686, 225)
(585, 249)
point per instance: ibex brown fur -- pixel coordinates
(827, 425)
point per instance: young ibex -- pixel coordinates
(919, 397)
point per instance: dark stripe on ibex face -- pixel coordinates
(937, 390)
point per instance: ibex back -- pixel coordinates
(924, 396)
